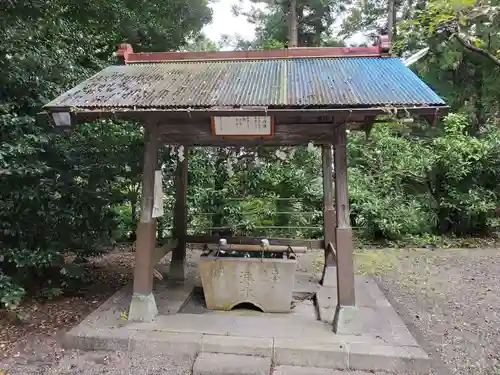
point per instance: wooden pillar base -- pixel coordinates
(345, 268)
(144, 257)
(143, 305)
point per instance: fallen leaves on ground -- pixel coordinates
(47, 318)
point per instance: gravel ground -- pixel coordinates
(103, 363)
(450, 299)
(46, 357)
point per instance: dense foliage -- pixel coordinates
(62, 193)
(76, 193)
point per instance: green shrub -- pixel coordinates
(388, 184)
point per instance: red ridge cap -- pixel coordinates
(380, 49)
(124, 51)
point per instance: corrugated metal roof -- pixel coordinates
(332, 82)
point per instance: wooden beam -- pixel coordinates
(160, 252)
(331, 248)
(309, 243)
(329, 219)
(180, 218)
(368, 125)
(343, 240)
(187, 115)
(259, 248)
(199, 133)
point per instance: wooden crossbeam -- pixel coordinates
(258, 248)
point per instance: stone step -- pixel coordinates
(360, 353)
(231, 364)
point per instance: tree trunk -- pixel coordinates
(391, 20)
(292, 25)
(478, 99)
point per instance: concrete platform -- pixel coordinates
(375, 340)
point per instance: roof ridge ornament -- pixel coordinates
(123, 51)
(384, 44)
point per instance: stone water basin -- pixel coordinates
(267, 283)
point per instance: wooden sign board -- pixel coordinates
(243, 126)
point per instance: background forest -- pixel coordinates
(77, 193)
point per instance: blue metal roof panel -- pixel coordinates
(357, 82)
(332, 82)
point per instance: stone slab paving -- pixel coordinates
(334, 351)
(231, 364)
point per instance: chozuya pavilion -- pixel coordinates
(283, 97)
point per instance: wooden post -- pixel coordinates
(329, 219)
(343, 240)
(159, 223)
(180, 219)
(143, 304)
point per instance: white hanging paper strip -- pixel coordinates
(158, 195)
(180, 153)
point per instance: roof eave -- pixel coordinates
(81, 115)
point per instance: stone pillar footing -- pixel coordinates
(177, 270)
(346, 321)
(142, 308)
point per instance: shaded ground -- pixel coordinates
(449, 298)
(49, 318)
